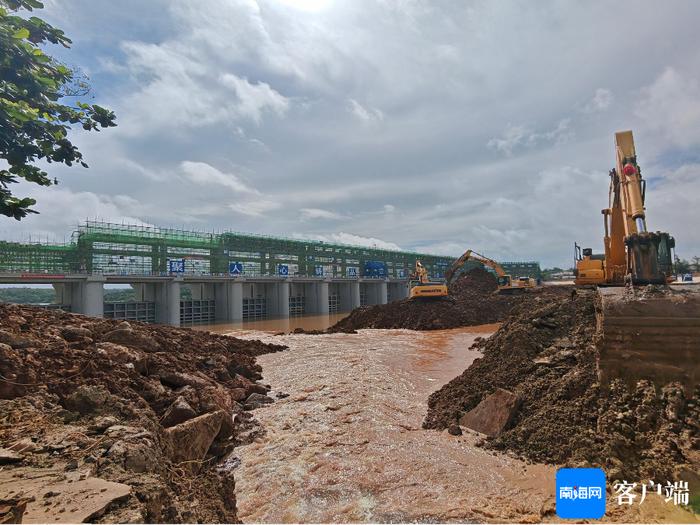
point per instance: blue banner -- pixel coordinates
(580, 493)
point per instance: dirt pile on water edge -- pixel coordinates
(472, 301)
(147, 413)
(545, 354)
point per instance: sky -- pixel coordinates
(433, 126)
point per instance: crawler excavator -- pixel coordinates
(506, 284)
(422, 287)
(646, 329)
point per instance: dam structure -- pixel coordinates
(182, 277)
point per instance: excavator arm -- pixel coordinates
(472, 255)
(631, 251)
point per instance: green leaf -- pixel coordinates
(34, 125)
(21, 33)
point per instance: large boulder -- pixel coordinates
(189, 442)
(132, 338)
(256, 400)
(88, 399)
(73, 333)
(179, 412)
(124, 355)
(17, 341)
(175, 379)
(493, 414)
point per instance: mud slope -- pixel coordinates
(545, 354)
(472, 301)
(144, 412)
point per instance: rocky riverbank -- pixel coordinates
(121, 421)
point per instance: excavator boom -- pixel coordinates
(505, 282)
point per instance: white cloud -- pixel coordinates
(512, 137)
(601, 101)
(253, 99)
(363, 113)
(203, 174)
(255, 208)
(349, 238)
(670, 106)
(317, 213)
(61, 210)
(515, 136)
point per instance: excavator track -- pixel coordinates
(650, 332)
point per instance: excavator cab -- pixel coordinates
(589, 266)
(504, 281)
(422, 288)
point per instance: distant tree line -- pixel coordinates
(47, 295)
(685, 266)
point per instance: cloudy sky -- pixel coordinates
(428, 125)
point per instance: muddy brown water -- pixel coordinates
(307, 322)
(347, 444)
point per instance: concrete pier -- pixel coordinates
(84, 297)
(375, 292)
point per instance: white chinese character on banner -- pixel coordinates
(625, 492)
(677, 491)
(566, 493)
(595, 492)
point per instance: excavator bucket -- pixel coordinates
(647, 257)
(650, 332)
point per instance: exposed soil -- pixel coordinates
(126, 421)
(545, 353)
(472, 301)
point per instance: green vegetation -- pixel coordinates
(33, 124)
(685, 266)
(549, 274)
(27, 295)
(47, 295)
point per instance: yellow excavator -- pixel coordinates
(506, 284)
(632, 254)
(423, 287)
(645, 328)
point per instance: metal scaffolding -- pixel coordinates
(108, 248)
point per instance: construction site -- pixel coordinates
(476, 374)
(330, 261)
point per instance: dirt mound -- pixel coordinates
(472, 301)
(545, 354)
(148, 413)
